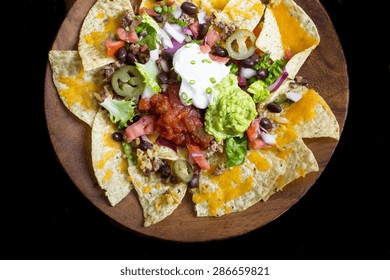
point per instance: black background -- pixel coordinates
(345, 215)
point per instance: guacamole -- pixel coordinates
(231, 111)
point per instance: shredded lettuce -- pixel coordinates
(149, 71)
(260, 91)
(274, 69)
(121, 111)
(155, 34)
(132, 160)
(236, 150)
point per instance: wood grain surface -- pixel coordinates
(71, 138)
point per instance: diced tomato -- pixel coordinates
(113, 46)
(127, 36)
(143, 126)
(205, 48)
(198, 156)
(258, 144)
(144, 48)
(220, 59)
(252, 130)
(194, 27)
(211, 37)
(148, 11)
(288, 54)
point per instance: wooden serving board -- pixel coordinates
(71, 138)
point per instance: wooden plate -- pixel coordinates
(71, 138)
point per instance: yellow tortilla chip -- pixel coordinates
(101, 22)
(210, 6)
(158, 198)
(287, 27)
(245, 14)
(108, 160)
(74, 85)
(299, 159)
(311, 116)
(238, 188)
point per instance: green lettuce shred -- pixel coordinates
(260, 91)
(236, 150)
(121, 111)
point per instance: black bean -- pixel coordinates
(121, 54)
(134, 119)
(194, 183)
(255, 58)
(159, 18)
(189, 8)
(163, 77)
(203, 28)
(173, 76)
(117, 136)
(265, 1)
(145, 145)
(265, 123)
(131, 59)
(247, 63)
(262, 73)
(274, 108)
(220, 51)
(167, 55)
(173, 179)
(165, 171)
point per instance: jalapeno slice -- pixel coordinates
(127, 82)
(241, 44)
(182, 170)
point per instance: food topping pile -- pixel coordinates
(198, 96)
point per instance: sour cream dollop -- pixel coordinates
(199, 75)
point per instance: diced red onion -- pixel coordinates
(187, 31)
(268, 138)
(247, 72)
(202, 17)
(176, 46)
(176, 27)
(279, 81)
(177, 35)
(164, 142)
(154, 54)
(177, 12)
(293, 96)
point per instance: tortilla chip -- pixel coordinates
(287, 27)
(239, 187)
(108, 160)
(245, 14)
(311, 116)
(299, 159)
(101, 22)
(158, 198)
(74, 85)
(210, 6)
